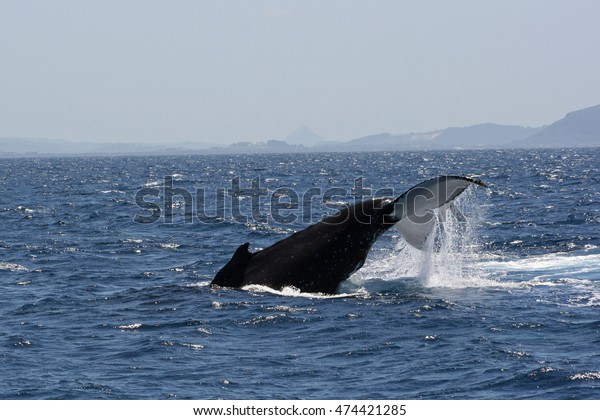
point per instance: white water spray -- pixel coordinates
(452, 250)
(451, 257)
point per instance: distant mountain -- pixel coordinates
(19, 146)
(375, 142)
(482, 136)
(390, 142)
(577, 129)
(304, 136)
(34, 146)
(246, 147)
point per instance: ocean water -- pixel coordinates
(105, 265)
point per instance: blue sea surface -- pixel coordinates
(104, 281)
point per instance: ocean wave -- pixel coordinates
(12, 266)
(295, 292)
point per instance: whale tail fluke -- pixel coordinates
(414, 208)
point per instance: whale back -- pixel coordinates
(233, 273)
(318, 258)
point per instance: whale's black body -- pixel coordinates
(318, 258)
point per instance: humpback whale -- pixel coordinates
(320, 257)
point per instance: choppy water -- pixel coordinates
(94, 305)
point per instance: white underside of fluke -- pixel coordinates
(417, 234)
(415, 207)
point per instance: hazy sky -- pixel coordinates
(225, 71)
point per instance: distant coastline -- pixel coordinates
(577, 129)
